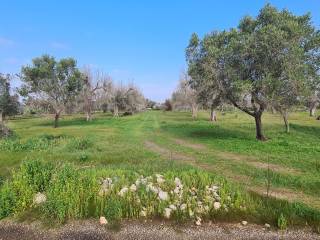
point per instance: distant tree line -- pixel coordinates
(56, 86)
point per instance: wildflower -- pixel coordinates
(163, 195)
(167, 212)
(133, 188)
(216, 205)
(123, 191)
(39, 198)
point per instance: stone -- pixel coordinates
(244, 223)
(103, 221)
(39, 198)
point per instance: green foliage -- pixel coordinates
(282, 222)
(79, 144)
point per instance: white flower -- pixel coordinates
(183, 206)
(167, 212)
(173, 207)
(163, 195)
(39, 198)
(216, 205)
(123, 191)
(133, 188)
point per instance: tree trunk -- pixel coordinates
(115, 111)
(56, 119)
(273, 110)
(1, 118)
(259, 133)
(213, 116)
(313, 108)
(194, 111)
(286, 122)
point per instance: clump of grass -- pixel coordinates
(79, 144)
(177, 194)
(42, 142)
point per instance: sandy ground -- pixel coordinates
(91, 230)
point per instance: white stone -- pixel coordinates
(103, 221)
(123, 191)
(167, 212)
(244, 223)
(39, 198)
(133, 188)
(216, 205)
(198, 221)
(163, 195)
(267, 225)
(183, 207)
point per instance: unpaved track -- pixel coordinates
(279, 193)
(91, 230)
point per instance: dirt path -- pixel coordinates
(239, 157)
(279, 193)
(91, 230)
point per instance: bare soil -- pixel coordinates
(132, 230)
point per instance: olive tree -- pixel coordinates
(185, 97)
(57, 82)
(9, 104)
(254, 62)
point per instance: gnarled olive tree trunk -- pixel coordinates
(115, 111)
(313, 108)
(213, 116)
(194, 109)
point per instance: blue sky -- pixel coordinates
(134, 41)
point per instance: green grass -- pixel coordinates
(119, 144)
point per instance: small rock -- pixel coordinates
(198, 222)
(267, 225)
(244, 223)
(103, 221)
(216, 205)
(39, 198)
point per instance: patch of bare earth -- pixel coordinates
(132, 230)
(164, 152)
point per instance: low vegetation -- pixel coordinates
(85, 172)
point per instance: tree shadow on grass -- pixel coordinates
(207, 132)
(308, 130)
(73, 122)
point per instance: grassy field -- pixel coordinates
(162, 142)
